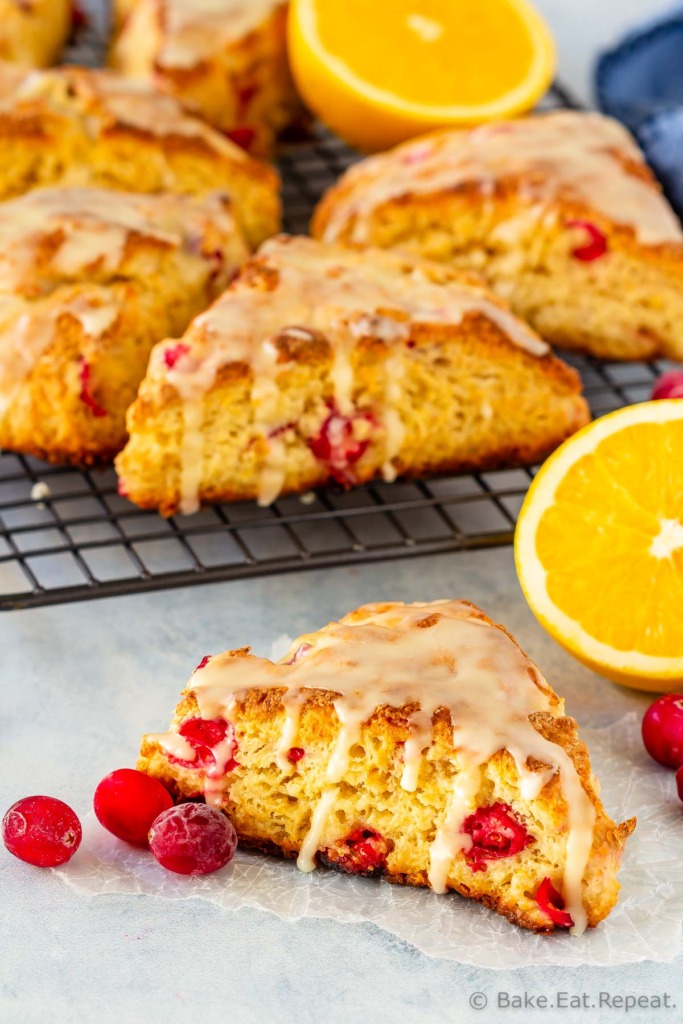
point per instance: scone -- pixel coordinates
(33, 32)
(73, 126)
(417, 742)
(322, 362)
(559, 212)
(225, 60)
(89, 281)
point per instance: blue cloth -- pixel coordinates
(640, 81)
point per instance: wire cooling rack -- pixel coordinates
(66, 535)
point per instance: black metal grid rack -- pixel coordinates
(74, 538)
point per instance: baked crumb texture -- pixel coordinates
(89, 281)
(559, 211)
(33, 32)
(74, 126)
(225, 61)
(324, 362)
(272, 804)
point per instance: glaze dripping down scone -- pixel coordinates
(74, 126)
(325, 362)
(89, 281)
(559, 211)
(225, 60)
(33, 33)
(417, 742)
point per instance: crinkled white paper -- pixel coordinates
(645, 925)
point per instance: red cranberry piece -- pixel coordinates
(214, 743)
(203, 663)
(362, 852)
(245, 95)
(496, 833)
(551, 903)
(174, 353)
(337, 445)
(294, 754)
(679, 782)
(79, 19)
(663, 730)
(243, 136)
(669, 385)
(127, 802)
(193, 839)
(595, 247)
(85, 395)
(41, 830)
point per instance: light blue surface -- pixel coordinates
(81, 683)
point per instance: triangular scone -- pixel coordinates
(323, 362)
(226, 62)
(90, 280)
(558, 211)
(414, 741)
(34, 33)
(76, 126)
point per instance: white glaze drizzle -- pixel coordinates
(330, 291)
(196, 30)
(566, 154)
(441, 655)
(55, 237)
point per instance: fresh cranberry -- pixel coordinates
(245, 95)
(595, 247)
(203, 663)
(85, 395)
(193, 839)
(127, 802)
(294, 754)
(174, 353)
(552, 904)
(243, 136)
(214, 743)
(663, 730)
(337, 445)
(41, 830)
(362, 852)
(669, 385)
(679, 782)
(79, 19)
(496, 833)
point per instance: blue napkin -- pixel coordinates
(640, 82)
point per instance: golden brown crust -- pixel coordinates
(33, 34)
(75, 126)
(271, 810)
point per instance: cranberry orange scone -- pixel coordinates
(417, 742)
(559, 212)
(74, 126)
(225, 60)
(89, 281)
(33, 33)
(325, 362)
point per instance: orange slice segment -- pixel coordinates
(381, 71)
(599, 545)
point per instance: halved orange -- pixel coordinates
(599, 545)
(381, 71)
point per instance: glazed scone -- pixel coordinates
(417, 742)
(324, 362)
(74, 126)
(559, 211)
(225, 60)
(33, 32)
(89, 281)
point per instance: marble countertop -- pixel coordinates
(82, 682)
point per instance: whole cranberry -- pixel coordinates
(42, 831)
(663, 730)
(127, 802)
(669, 385)
(679, 782)
(193, 839)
